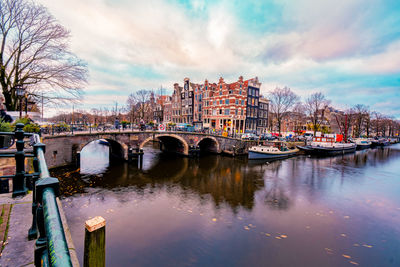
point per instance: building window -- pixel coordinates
(237, 102)
(236, 112)
(220, 112)
(220, 102)
(242, 103)
(227, 111)
(220, 87)
(220, 92)
(226, 101)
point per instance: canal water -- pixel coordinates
(222, 211)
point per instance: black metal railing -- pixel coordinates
(51, 247)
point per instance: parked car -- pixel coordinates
(249, 136)
(268, 137)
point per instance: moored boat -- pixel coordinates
(380, 142)
(362, 143)
(327, 146)
(271, 152)
(104, 142)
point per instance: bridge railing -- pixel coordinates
(51, 247)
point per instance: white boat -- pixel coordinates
(271, 152)
(327, 146)
(362, 143)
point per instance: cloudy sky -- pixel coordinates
(348, 49)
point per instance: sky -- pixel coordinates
(347, 49)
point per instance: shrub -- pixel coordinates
(30, 126)
(5, 126)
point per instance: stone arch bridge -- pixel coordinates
(62, 149)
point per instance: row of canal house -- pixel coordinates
(232, 107)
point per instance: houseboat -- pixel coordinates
(362, 143)
(380, 142)
(327, 146)
(277, 151)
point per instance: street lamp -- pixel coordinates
(20, 93)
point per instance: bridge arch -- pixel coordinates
(117, 150)
(171, 142)
(209, 144)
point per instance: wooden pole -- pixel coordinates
(95, 242)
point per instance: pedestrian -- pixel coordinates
(4, 116)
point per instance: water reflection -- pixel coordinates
(94, 158)
(227, 211)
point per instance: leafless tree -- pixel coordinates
(377, 119)
(298, 115)
(282, 99)
(132, 105)
(360, 118)
(34, 54)
(315, 106)
(139, 102)
(346, 120)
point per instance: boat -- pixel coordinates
(271, 152)
(362, 143)
(327, 146)
(104, 142)
(380, 142)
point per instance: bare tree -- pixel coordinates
(298, 115)
(142, 97)
(282, 99)
(377, 119)
(315, 106)
(345, 120)
(34, 54)
(360, 118)
(132, 106)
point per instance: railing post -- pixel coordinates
(141, 158)
(32, 233)
(19, 183)
(40, 245)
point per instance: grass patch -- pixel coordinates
(1, 217)
(8, 226)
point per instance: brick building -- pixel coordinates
(231, 107)
(263, 107)
(176, 107)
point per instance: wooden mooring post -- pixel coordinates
(95, 242)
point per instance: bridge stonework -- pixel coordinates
(62, 149)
